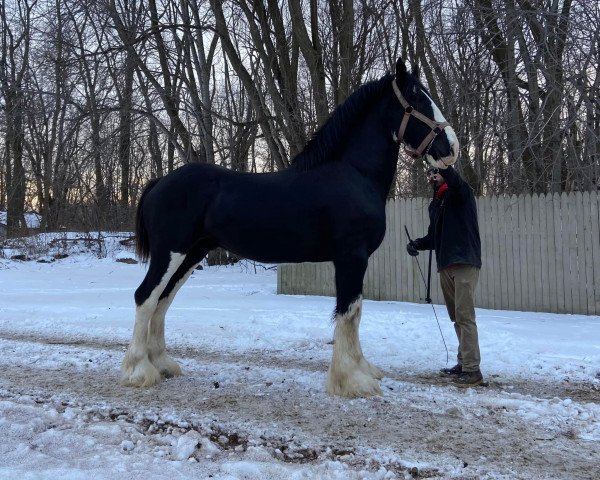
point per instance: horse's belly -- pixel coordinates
(273, 237)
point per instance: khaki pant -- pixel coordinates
(458, 286)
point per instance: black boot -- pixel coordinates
(468, 379)
(455, 371)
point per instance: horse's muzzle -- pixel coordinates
(453, 157)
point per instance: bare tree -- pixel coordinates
(276, 149)
(312, 50)
(90, 34)
(196, 75)
(15, 18)
(47, 113)
(167, 81)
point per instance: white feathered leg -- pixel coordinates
(350, 375)
(157, 352)
(136, 369)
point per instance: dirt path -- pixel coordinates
(494, 432)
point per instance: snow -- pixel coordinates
(251, 402)
(32, 219)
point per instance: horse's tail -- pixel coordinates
(142, 241)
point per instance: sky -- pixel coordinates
(251, 402)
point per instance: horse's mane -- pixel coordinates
(327, 141)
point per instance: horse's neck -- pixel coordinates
(373, 152)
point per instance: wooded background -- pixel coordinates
(98, 96)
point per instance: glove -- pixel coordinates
(411, 248)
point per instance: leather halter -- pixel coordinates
(436, 127)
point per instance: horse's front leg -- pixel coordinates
(350, 375)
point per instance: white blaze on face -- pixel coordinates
(439, 117)
(450, 135)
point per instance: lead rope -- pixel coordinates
(428, 299)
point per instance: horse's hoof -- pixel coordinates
(167, 367)
(143, 374)
(170, 371)
(355, 385)
(371, 370)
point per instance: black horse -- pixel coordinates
(329, 206)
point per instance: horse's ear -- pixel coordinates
(400, 71)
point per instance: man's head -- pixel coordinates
(434, 178)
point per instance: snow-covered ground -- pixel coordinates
(251, 402)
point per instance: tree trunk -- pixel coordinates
(125, 128)
(14, 63)
(503, 53)
(198, 65)
(166, 90)
(276, 150)
(15, 221)
(312, 51)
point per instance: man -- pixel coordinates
(454, 235)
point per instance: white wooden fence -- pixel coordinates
(539, 253)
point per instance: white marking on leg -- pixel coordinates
(157, 353)
(350, 375)
(156, 340)
(137, 370)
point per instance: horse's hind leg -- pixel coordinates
(157, 353)
(350, 375)
(137, 370)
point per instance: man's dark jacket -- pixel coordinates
(453, 229)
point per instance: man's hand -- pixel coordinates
(437, 163)
(411, 248)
